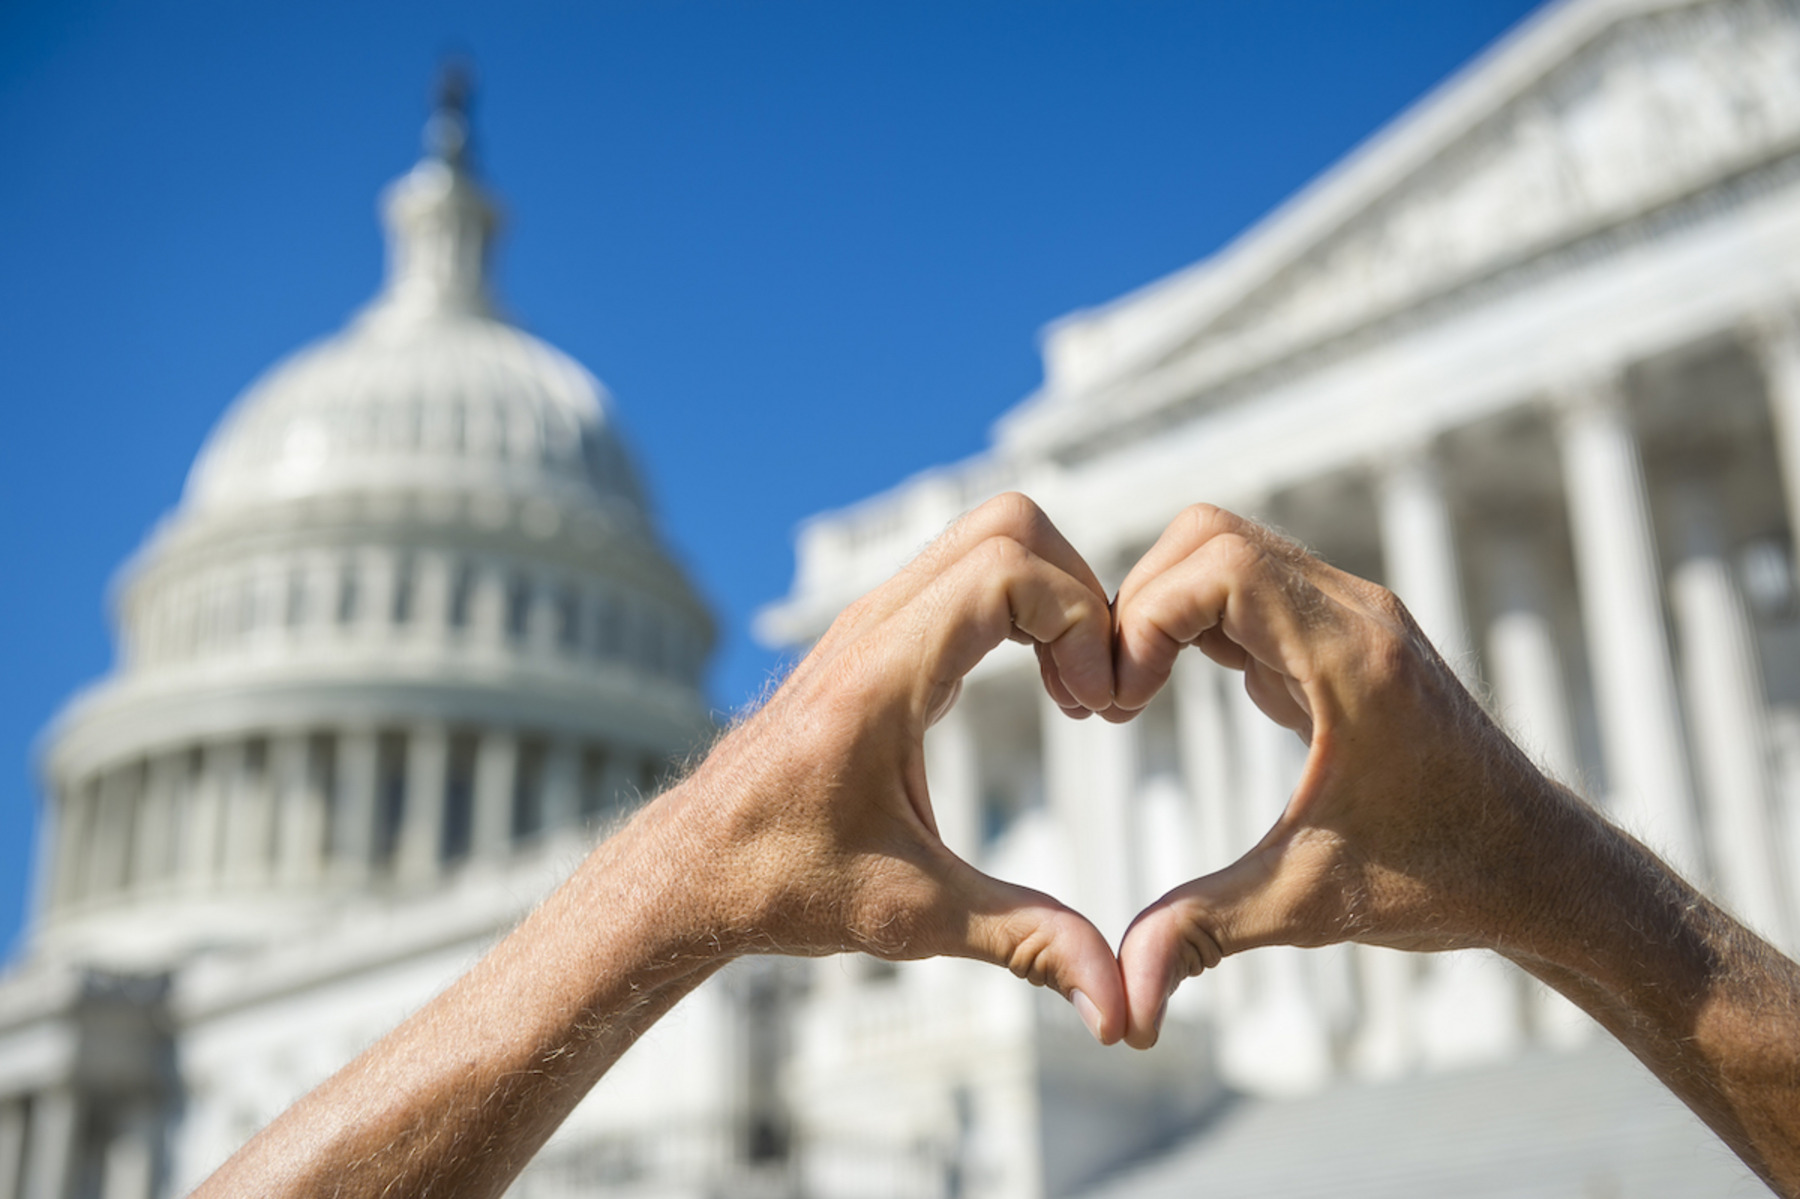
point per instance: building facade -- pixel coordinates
(409, 638)
(1531, 357)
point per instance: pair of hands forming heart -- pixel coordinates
(809, 830)
(1409, 820)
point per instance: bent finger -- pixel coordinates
(1045, 943)
(995, 590)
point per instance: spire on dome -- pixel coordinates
(447, 132)
(439, 220)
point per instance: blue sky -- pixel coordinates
(808, 246)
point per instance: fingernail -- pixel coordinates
(1090, 1015)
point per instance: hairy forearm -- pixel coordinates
(1708, 1006)
(457, 1099)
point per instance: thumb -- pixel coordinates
(1044, 942)
(1193, 928)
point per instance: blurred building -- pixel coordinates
(1531, 356)
(408, 638)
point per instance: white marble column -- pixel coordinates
(109, 847)
(70, 823)
(541, 617)
(1418, 545)
(203, 823)
(432, 581)
(250, 820)
(420, 850)
(1530, 689)
(1622, 611)
(12, 1146)
(353, 824)
(153, 850)
(128, 1170)
(1090, 773)
(487, 605)
(52, 1148)
(953, 774)
(1728, 710)
(1778, 345)
(562, 785)
(302, 809)
(378, 574)
(496, 776)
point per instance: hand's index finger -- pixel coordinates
(996, 588)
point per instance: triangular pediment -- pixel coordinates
(1591, 115)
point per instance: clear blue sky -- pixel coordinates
(807, 245)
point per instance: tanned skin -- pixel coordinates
(809, 830)
(1418, 825)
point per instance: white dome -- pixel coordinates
(410, 401)
(429, 388)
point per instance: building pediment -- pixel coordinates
(1590, 116)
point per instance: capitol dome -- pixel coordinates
(410, 619)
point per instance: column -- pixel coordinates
(1523, 659)
(203, 829)
(12, 1146)
(432, 582)
(377, 577)
(487, 605)
(50, 1156)
(422, 817)
(1778, 344)
(153, 851)
(562, 785)
(1465, 1010)
(953, 774)
(109, 846)
(1728, 711)
(1090, 772)
(250, 819)
(1419, 554)
(541, 617)
(353, 828)
(302, 809)
(69, 825)
(129, 1168)
(1622, 612)
(496, 764)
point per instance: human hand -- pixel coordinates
(1415, 822)
(814, 819)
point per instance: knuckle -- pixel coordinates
(1206, 521)
(1015, 510)
(1240, 556)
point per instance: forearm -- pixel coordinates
(457, 1099)
(1708, 1006)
